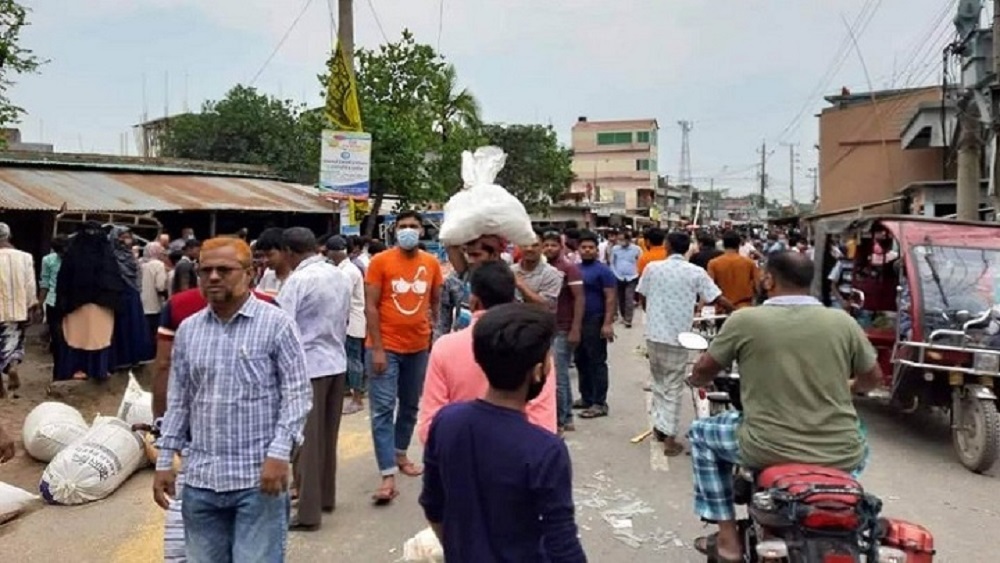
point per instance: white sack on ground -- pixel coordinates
(423, 548)
(14, 502)
(95, 465)
(137, 404)
(50, 427)
(482, 207)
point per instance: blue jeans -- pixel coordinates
(355, 350)
(564, 388)
(715, 449)
(234, 527)
(402, 382)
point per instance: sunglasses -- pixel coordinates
(223, 271)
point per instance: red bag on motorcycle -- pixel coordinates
(912, 539)
(809, 496)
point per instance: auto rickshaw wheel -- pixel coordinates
(976, 433)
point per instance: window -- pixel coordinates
(614, 138)
(642, 164)
(618, 198)
(642, 137)
(653, 139)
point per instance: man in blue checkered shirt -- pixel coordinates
(238, 399)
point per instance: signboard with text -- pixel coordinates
(345, 165)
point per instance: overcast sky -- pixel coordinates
(742, 70)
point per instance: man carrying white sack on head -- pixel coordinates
(479, 221)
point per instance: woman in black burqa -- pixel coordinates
(131, 343)
(90, 291)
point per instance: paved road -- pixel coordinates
(913, 470)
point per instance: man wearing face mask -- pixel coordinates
(452, 373)
(497, 487)
(402, 301)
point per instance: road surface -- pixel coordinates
(913, 470)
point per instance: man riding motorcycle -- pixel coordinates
(796, 361)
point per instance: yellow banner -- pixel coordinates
(342, 110)
(357, 209)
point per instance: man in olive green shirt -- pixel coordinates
(796, 362)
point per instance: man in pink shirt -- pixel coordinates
(452, 372)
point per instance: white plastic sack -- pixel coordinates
(482, 207)
(14, 502)
(50, 427)
(137, 404)
(423, 548)
(94, 466)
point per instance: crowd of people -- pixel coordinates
(261, 348)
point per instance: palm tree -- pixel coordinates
(456, 107)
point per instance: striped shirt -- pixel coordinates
(238, 393)
(18, 290)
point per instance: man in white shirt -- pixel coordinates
(318, 296)
(336, 252)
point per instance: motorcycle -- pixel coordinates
(801, 513)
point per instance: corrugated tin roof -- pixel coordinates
(80, 190)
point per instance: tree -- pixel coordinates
(14, 59)
(419, 119)
(248, 127)
(538, 169)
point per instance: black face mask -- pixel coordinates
(588, 260)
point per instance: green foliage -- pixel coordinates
(250, 128)
(14, 59)
(538, 169)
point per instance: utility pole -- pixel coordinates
(763, 175)
(814, 174)
(715, 198)
(995, 99)
(791, 172)
(345, 33)
(969, 153)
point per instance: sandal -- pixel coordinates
(672, 448)
(410, 469)
(385, 495)
(594, 412)
(709, 547)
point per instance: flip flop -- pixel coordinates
(673, 450)
(384, 496)
(709, 547)
(594, 412)
(410, 469)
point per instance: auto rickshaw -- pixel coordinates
(929, 306)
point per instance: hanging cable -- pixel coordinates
(378, 21)
(284, 38)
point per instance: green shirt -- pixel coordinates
(795, 359)
(50, 272)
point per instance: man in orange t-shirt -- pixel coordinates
(402, 302)
(657, 250)
(736, 275)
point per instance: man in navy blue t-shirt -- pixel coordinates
(496, 487)
(599, 289)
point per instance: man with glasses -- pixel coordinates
(239, 395)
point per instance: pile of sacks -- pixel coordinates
(483, 208)
(88, 462)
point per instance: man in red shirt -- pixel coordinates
(569, 320)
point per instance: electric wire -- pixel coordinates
(284, 38)
(378, 21)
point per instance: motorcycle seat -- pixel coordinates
(812, 484)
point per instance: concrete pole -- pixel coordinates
(995, 107)
(345, 33)
(969, 151)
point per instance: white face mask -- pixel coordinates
(408, 238)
